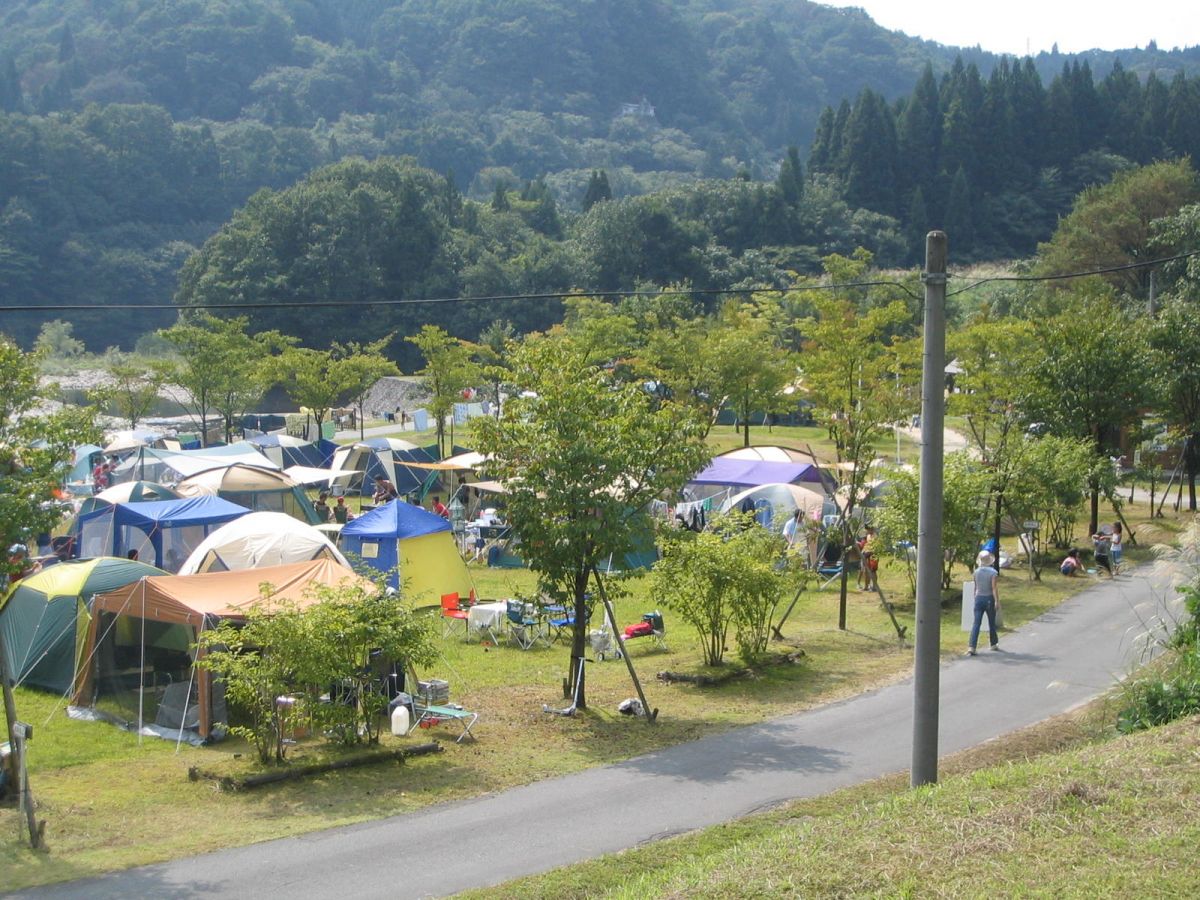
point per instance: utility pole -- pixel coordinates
(929, 518)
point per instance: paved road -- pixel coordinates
(1053, 664)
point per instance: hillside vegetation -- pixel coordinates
(131, 130)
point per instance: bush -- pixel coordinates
(285, 649)
(724, 577)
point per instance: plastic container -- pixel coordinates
(400, 721)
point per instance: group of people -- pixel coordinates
(1107, 546)
(866, 547)
(385, 492)
(339, 512)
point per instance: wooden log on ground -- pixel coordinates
(292, 773)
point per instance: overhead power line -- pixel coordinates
(560, 295)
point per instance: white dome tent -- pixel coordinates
(257, 540)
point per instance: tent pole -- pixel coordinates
(142, 668)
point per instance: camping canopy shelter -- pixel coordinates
(139, 641)
(43, 617)
(420, 543)
(253, 487)
(257, 540)
(165, 531)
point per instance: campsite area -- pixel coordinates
(89, 775)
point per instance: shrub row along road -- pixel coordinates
(1059, 661)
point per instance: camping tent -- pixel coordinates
(166, 466)
(768, 453)
(386, 457)
(164, 531)
(253, 487)
(260, 539)
(782, 500)
(40, 616)
(139, 641)
(128, 492)
(416, 540)
(81, 470)
(284, 450)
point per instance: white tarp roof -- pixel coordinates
(314, 475)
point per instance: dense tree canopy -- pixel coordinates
(130, 130)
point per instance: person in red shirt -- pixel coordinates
(100, 476)
(440, 508)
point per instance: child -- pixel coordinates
(1102, 543)
(1071, 566)
(1114, 548)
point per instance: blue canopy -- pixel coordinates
(396, 519)
(753, 472)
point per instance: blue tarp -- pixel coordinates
(753, 472)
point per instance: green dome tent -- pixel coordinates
(41, 616)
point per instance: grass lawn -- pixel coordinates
(112, 801)
(1057, 810)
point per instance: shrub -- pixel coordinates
(721, 578)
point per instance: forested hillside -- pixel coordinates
(130, 130)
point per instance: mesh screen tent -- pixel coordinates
(163, 533)
(138, 646)
(44, 616)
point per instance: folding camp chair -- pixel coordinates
(525, 626)
(561, 619)
(651, 626)
(452, 611)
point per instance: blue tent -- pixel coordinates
(416, 547)
(285, 451)
(164, 533)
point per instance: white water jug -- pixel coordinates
(400, 720)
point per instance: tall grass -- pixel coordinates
(1170, 689)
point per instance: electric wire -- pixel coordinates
(560, 295)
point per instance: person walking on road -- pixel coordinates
(987, 601)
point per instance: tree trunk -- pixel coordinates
(844, 583)
(1192, 452)
(1094, 522)
(996, 526)
(579, 643)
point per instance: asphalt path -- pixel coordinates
(1053, 664)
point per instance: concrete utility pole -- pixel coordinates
(929, 518)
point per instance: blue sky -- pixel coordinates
(1020, 26)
